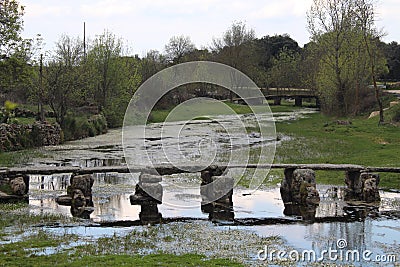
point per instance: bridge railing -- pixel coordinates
(288, 91)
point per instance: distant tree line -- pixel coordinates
(343, 59)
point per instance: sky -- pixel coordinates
(149, 24)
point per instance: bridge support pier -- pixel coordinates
(148, 193)
(277, 101)
(216, 193)
(298, 101)
(14, 188)
(79, 196)
(299, 193)
(362, 186)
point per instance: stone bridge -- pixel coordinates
(298, 187)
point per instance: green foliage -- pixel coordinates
(346, 53)
(10, 106)
(394, 114)
(6, 113)
(80, 127)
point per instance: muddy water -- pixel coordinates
(375, 228)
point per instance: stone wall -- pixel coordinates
(16, 136)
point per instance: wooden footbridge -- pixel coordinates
(277, 94)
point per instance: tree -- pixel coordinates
(285, 70)
(15, 51)
(115, 76)
(11, 24)
(177, 48)
(268, 50)
(392, 54)
(65, 78)
(152, 63)
(329, 22)
(340, 52)
(236, 49)
(365, 18)
(103, 55)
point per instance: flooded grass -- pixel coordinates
(29, 236)
(319, 139)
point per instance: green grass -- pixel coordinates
(64, 259)
(27, 250)
(13, 158)
(199, 111)
(319, 139)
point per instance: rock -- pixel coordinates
(394, 103)
(147, 194)
(149, 214)
(81, 182)
(370, 191)
(64, 200)
(16, 136)
(299, 187)
(78, 199)
(149, 178)
(312, 196)
(362, 187)
(153, 190)
(373, 114)
(306, 175)
(18, 186)
(306, 212)
(222, 187)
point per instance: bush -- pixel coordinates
(394, 113)
(81, 127)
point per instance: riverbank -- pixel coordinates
(25, 242)
(357, 140)
(43, 234)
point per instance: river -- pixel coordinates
(376, 229)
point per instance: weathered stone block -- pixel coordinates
(83, 183)
(149, 178)
(64, 200)
(147, 193)
(18, 186)
(362, 186)
(299, 187)
(222, 185)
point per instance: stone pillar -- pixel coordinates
(299, 193)
(317, 103)
(216, 192)
(148, 194)
(79, 196)
(206, 189)
(298, 101)
(277, 101)
(14, 189)
(362, 186)
(299, 187)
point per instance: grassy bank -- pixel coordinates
(321, 139)
(161, 115)
(25, 243)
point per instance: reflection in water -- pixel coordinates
(306, 212)
(111, 195)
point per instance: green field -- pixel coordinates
(320, 139)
